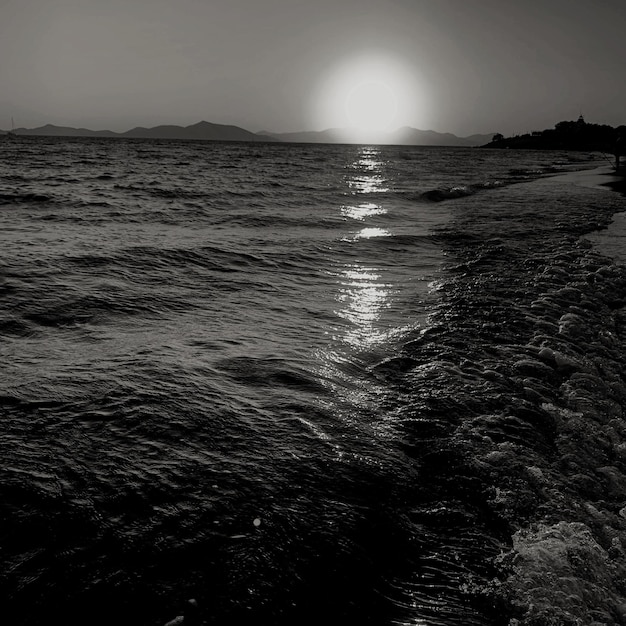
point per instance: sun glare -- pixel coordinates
(367, 96)
(371, 106)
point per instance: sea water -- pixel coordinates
(308, 384)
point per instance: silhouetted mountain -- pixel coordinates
(417, 137)
(330, 135)
(219, 132)
(49, 130)
(202, 130)
(402, 136)
(479, 139)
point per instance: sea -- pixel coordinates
(301, 384)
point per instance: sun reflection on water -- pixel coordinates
(363, 297)
(367, 184)
(362, 292)
(362, 211)
(367, 171)
(368, 233)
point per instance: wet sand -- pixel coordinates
(610, 241)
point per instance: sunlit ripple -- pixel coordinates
(370, 178)
(362, 292)
(368, 233)
(367, 184)
(362, 211)
(369, 160)
(363, 297)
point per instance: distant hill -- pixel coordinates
(578, 135)
(219, 132)
(202, 130)
(331, 135)
(479, 140)
(49, 130)
(403, 136)
(414, 136)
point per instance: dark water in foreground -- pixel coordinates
(308, 384)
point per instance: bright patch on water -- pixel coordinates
(362, 211)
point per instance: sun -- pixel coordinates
(367, 96)
(371, 106)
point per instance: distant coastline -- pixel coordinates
(566, 135)
(200, 131)
(207, 131)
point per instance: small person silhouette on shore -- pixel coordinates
(620, 147)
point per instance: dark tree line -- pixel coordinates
(577, 135)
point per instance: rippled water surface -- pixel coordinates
(308, 384)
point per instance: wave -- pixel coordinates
(459, 191)
(269, 372)
(147, 259)
(15, 327)
(511, 177)
(24, 198)
(276, 221)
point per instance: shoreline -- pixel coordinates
(607, 240)
(610, 240)
(532, 422)
(619, 184)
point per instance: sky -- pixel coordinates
(459, 66)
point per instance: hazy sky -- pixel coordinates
(462, 66)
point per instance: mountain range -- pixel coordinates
(201, 130)
(219, 132)
(405, 136)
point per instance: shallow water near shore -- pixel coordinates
(305, 383)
